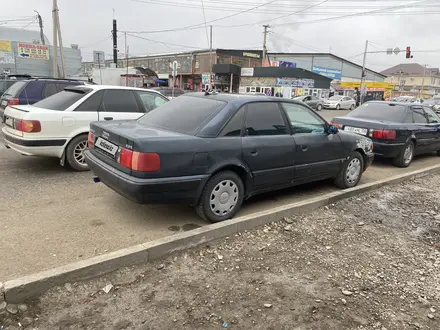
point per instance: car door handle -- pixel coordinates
(254, 153)
(304, 148)
(108, 118)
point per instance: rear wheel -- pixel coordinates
(352, 107)
(406, 155)
(338, 107)
(319, 107)
(75, 153)
(352, 171)
(221, 198)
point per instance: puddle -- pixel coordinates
(174, 228)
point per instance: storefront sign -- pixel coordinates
(247, 72)
(5, 46)
(253, 55)
(206, 79)
(287, 64)
(34, 52)
(296, 82)
(328, 72)
(369, 84)
(271, 63)
(6, 57)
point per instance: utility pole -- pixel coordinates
(363, 74)
(423, 80)
(40, 23)
(210, 55)
(55, 41)
(115, 43)
(126, 60)
(264, 44)
(63, 65)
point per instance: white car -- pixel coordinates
(58, 126)
(339, 102)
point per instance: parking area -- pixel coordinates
(50, 216)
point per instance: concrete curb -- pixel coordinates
(31, 286)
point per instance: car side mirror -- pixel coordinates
(332, 129)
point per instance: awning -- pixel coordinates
(226, 69)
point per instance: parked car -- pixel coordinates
(7, 81)
(214, 151)
(311, 101)
(434, 104)
(32, 90)
(58, 125)
(339, 102)
(398, 130)
(168, 91)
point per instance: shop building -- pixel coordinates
(285, 82)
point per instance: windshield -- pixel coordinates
(335, 98)
(15, 89)
(185, 114)
(380, 111)
(62, 100)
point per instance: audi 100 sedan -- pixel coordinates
(212, 151)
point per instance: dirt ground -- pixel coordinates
(369, 262)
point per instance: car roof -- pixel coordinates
(103, 87)
(238, 98)
(390, 102)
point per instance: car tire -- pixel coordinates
(406, 156)
(74, 153)
(338, 107)
(225, 185)
(319, 107)
(352, 107)
(351, 173)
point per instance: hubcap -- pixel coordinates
(224, 197)
(408, 154)
(78, 153)
(353, 170)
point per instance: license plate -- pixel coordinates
(106, 146)
(4, 103)
(9, 121)
(357, 130)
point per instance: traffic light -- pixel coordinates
(408, 52)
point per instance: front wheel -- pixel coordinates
(75, 153)
(319, 107)
(406, 155)
(352, 171)
(221, 198)
(338, 107)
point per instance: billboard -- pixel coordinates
(328, 72)
(33, 51)
(287, 64)
(6, 55)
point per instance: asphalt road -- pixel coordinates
(50, 216)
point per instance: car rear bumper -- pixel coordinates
(30, 147)
(388, 150)
(176, 190)
(329, 106)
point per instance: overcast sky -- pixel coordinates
(314, 28)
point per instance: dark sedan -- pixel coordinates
(213, 151)
(398, 130)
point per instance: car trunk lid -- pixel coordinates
(358, 125)
(13, 114)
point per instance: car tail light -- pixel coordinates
(91, 140)
(28, 126)
(14, 101)
(336, 124)
(383, 134)
(139, 161)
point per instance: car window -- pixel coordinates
(185, 114)
(15, 89)
(303, 120)
(62, 100)
(234, 126)
(50, 89)
(313, 98)
(119, 100)
(151, 100)
(408, 118)
(381, 111)
(264, 118)
(432, 116)
(92, 103)
(419, 116)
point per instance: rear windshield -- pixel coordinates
(15, 89)
(379, 111)
(62, 100)
(184, 114)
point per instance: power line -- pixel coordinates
(164, 43)
(298, 43)
(204, 19)
(297, 12)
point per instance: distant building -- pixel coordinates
(22, 52)
(412, 78)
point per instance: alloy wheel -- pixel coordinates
(78, 153)
(408, 154)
